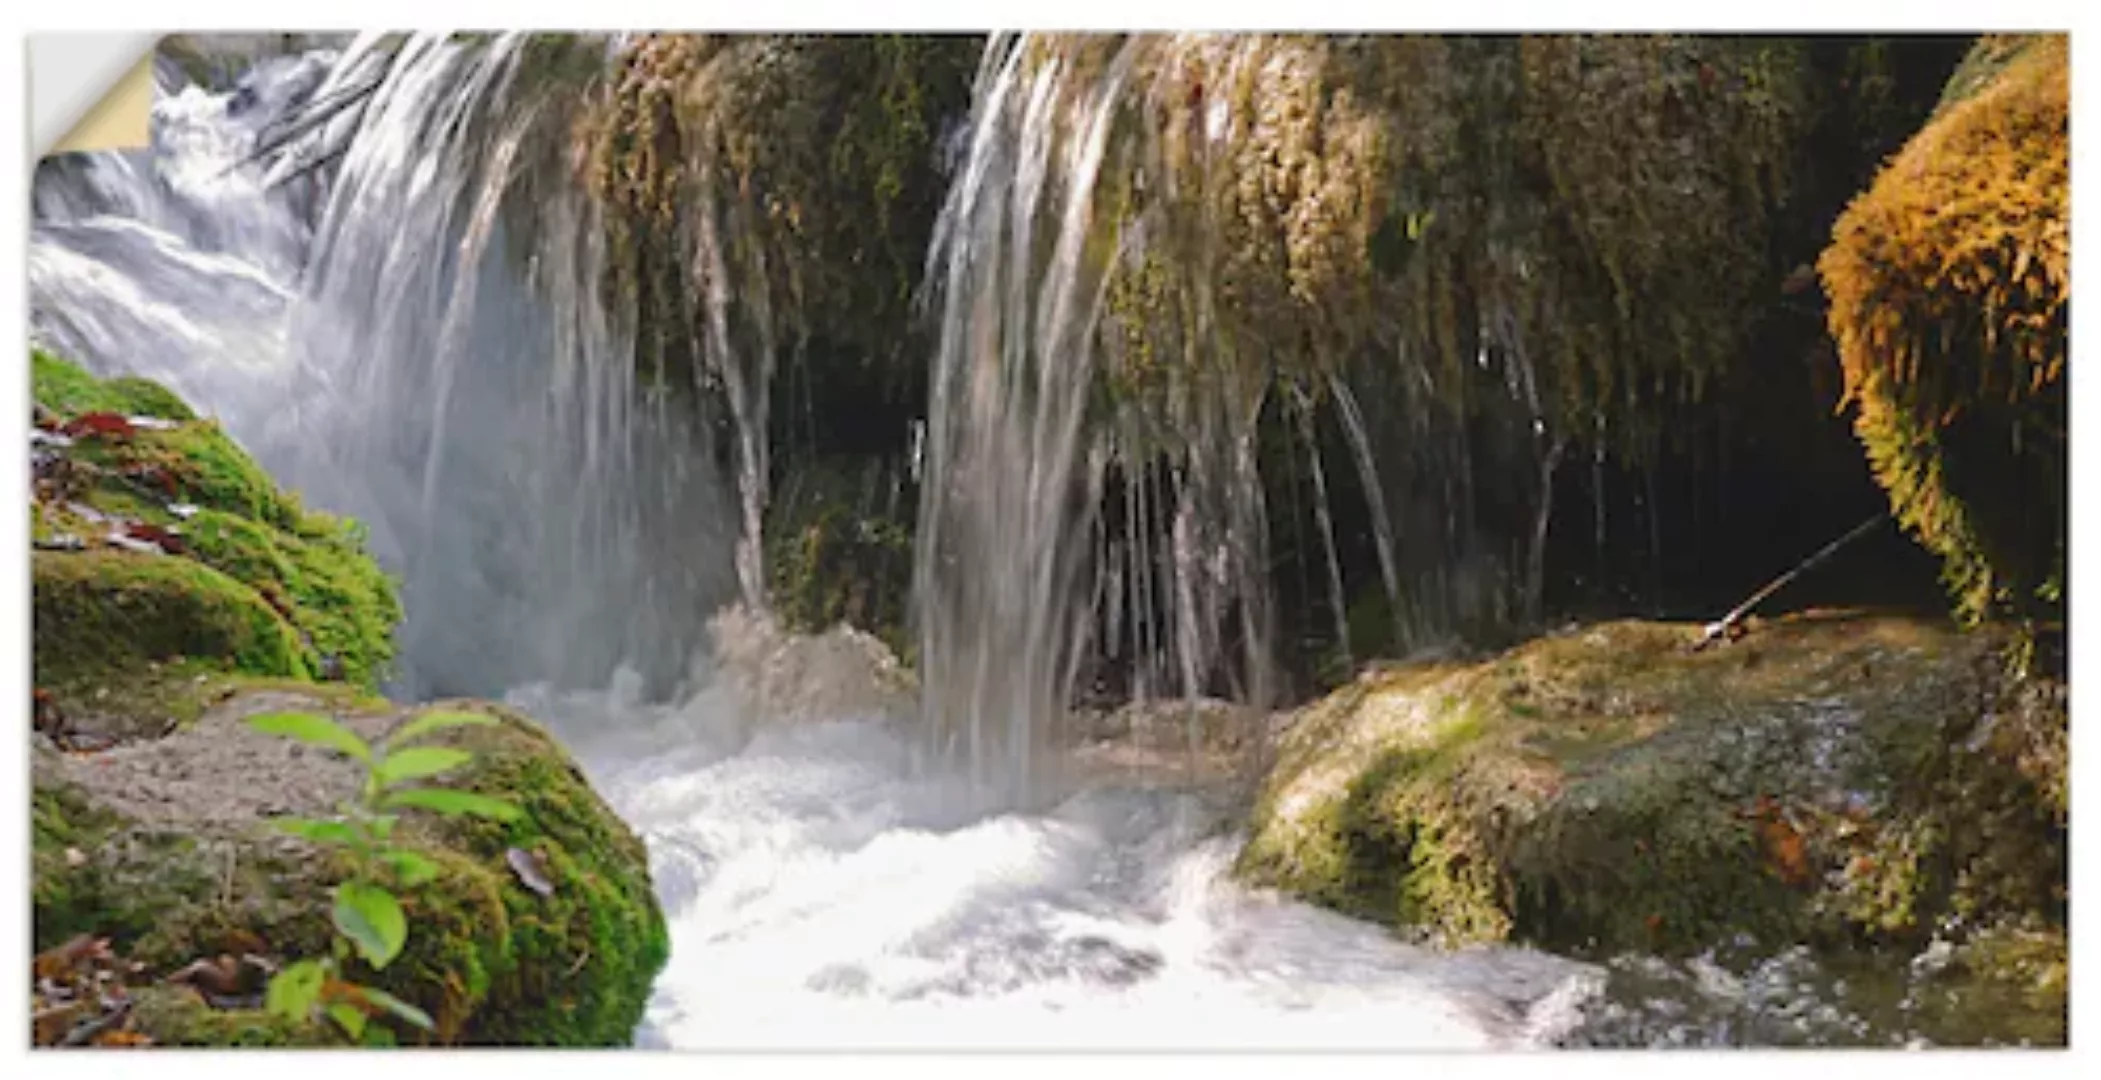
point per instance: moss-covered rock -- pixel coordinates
(244, 548)
(1950, 295)
(70, 390)
(1843, 779)
(159, 837)
(104, 615)
(166, 847)
(1299, 200)
(332, 591)
(820, 154)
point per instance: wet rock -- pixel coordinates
(1172, 741)
(790, 677)
(167, 847)
(1817, 782)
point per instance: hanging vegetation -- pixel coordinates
(1950, 299)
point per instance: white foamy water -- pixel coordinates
(822, 893)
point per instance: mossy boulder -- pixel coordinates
(70, 390)
(106, 614)
(249, 581)
(319, 573)
(157, 834)
(1846, 780)
(166, 846)
(1950, 295)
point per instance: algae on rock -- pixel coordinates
(1846, 779)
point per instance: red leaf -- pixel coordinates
(98, 423)
(153, 534)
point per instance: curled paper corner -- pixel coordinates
(89, 91)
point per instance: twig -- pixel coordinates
(1720, 628)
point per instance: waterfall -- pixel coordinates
(402, 321)
(1010, 487)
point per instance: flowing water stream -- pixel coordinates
(410, 334)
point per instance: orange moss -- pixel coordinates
(1950, 296)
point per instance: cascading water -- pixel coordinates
(413, 336)
(1009, 487)
(411, 331)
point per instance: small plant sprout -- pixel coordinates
(368, 917)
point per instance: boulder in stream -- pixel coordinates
(1840, 779)
(153, 799)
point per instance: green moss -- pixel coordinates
(821, 152)
(580, 961)
(177, 1017)
(1831, 779)
(326, 586)
(831, 558)
(140, 644)
(68, 390)
(2031, 965)
(493, 962)
(100, 614)
(1400, 852)
(310, 569)
(1383, 195)
(62, 820)
(195, 463)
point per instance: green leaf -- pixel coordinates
(308, 727)
(371, 918)
(418, 762)
(320, 832)
(397, 1006)
(411, 868)
(382, 825)
(450, 802)
(348, 1018)
(294, 990)
(436, 721)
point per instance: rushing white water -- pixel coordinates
(823, 893)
